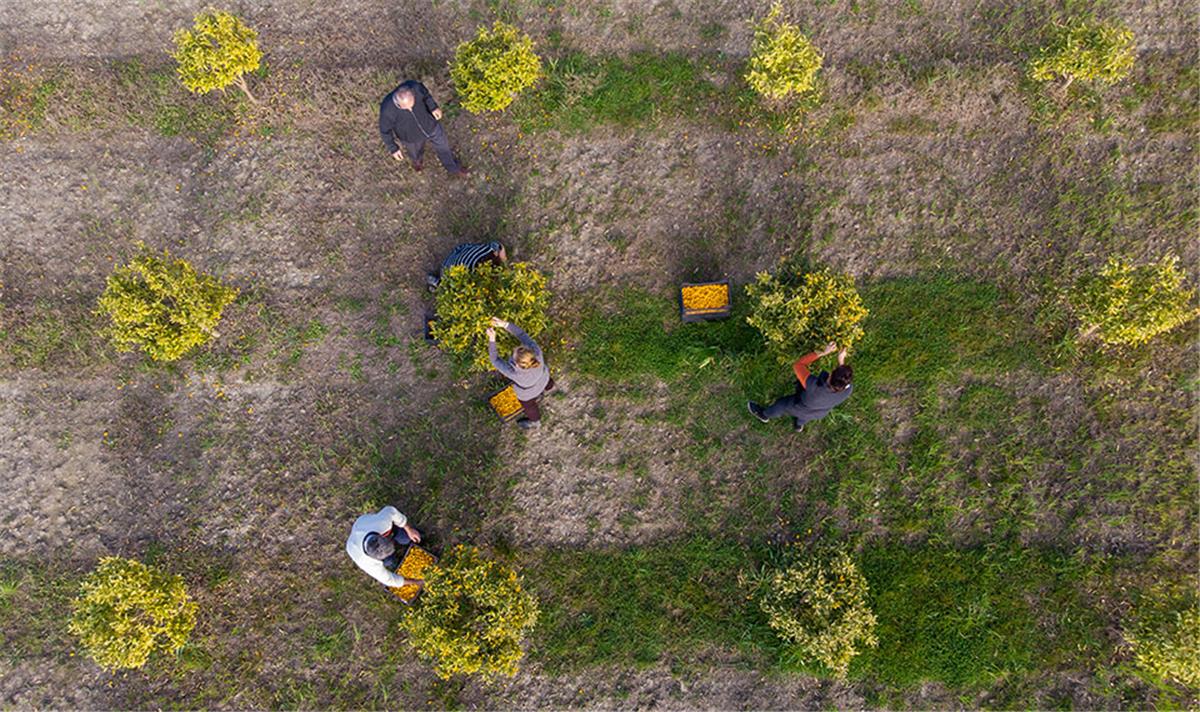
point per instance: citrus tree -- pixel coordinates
(490, 70)
(218, 51)
(819, 605)
(1085, 49)
(472, 617)
(127, 610)
(783, 62)
(468, 298)
(1124, 303)
(797, 311)
(162, 305)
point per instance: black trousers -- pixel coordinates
(441, 145)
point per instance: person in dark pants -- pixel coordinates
(815, 396)
(410, 117)
(469, 255)
(527, 370)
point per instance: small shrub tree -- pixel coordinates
(1085, 49)
(468, 298)
(128, 610)
(1125, 303)
(490, 70)
(472, 616)
(163, 306)
(1168, 649)
(820, 606)
(218, 51)
(783, 62)
(799, 312)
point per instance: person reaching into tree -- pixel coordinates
(815, 396)
(527, 370)
(373, 543)
(469, 255)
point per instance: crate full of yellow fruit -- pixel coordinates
(416, 561)
(505, 404)
(704, 300)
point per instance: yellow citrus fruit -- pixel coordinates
(505, 402)
(708, 297)
(413, 567)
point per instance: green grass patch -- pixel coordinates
(46, 335)
(969, 617)
(961, 617)
(635, 606)
(580, 92)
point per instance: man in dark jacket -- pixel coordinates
(410, 116)
(815, 395)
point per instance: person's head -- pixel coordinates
(525, 358)
(840, 379)
(378, 547)
(404, 98)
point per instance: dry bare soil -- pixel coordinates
(959, 196)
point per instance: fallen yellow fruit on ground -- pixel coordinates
(413, 567)
(505, 402)
(708, 297)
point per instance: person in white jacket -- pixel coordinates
(372, 545)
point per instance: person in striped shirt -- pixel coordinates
(815, 396)
(471, 255)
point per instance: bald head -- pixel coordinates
(404, 98)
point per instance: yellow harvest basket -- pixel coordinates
(705, 300)
(416, 560)
(505, 404)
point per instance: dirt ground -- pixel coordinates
(231, 466)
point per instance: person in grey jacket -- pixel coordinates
(410, 117)
(527, 370)
(815, 395)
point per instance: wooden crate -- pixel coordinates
(408, 594)
(707, 313)
(505, 404)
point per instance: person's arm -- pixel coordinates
(385, 130)
(430, 105)
(505, 368)
(395, 516)
(525, 340)
(801, 366)
(842, 357)
(388, 578)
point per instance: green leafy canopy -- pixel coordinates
(127, 610)
(800, 312)
(490, 70)
(163, 305)
(468, 298)
(216, 52)
(472, 617)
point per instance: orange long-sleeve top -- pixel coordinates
(801, 367)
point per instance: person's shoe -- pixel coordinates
(432, 280)
(756, 410)
(797, 426)
(419, 166)
(526, 424)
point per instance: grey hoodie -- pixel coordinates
(527, 382)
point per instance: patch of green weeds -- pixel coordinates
(969, 617)
(50, 335)
(580, 92)
(34, 606)
(637, 605)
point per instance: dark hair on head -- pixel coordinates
(841, 377)
(378, 547)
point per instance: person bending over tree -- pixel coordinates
(815, 396)
(373, 545)
(469, 255)
(527, 370)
